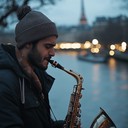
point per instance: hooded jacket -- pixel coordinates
(20, 106)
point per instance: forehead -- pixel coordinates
(49, 40)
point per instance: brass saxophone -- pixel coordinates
(73, 117)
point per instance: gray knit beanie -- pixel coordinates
(33, 26)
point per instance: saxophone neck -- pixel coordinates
(78, 77)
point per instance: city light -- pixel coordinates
(76, 45)
(112, 47)
(67, 45)
(95, 50)
(87, 45)
(94, 47)
(111, 52)
(94, 41)
(124, 46)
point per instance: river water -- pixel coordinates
(105, 85)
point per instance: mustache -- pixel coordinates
(46, 58)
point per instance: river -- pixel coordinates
(105, 85)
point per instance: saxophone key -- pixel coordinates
(80, 95)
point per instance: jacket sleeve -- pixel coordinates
(10, 114)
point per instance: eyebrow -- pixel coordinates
(50, 43)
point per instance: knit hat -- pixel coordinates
(33, 26)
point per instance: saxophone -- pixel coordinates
(73, 115)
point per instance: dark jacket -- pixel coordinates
(15, 87)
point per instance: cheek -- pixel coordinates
(41, 52)
(35, 56)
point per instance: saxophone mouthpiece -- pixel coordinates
(55, 64)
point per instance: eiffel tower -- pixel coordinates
(83, 19)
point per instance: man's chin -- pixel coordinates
(43, 67)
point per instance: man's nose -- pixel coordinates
(52, 52)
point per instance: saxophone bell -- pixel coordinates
(102, 120)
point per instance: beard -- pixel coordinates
(35, 59)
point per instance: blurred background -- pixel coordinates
(93, 41)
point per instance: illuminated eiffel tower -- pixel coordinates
(83, 20)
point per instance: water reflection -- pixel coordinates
(112, 67)
(106, 86)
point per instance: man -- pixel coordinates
(24, 83)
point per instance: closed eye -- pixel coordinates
(48, 46)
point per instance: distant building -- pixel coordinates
(103, 21)
(100, 21)
(111, 29)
